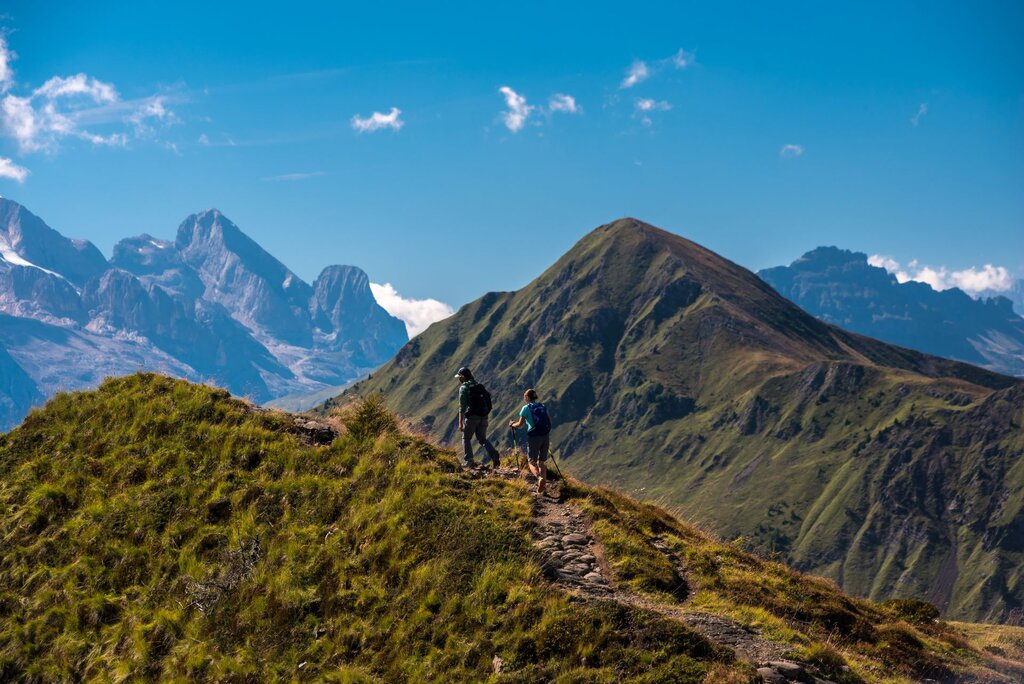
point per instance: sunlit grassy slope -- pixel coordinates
(155, 529)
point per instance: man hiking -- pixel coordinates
(474, 405)
(538, 438)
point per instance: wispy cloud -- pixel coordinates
(150, 111)
(886, 262)
(645, 105)
(560, 102)
(971, 280)
(683, 59)
(922, 109)
(518, 110)
(377, 121)
(8, 169)
(791, 151)
(638, 72)
(295, 176)
(649, 105)
(417, 314)
(79, 84)
(72, 107)
(6, 71)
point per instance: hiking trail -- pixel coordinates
(572, 557)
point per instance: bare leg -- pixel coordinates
(542, 477)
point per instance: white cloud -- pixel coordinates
(649, 105)
(922, 109)
(204, 139)
(79, 84)
(644, 107)
(417, 314)
(683, 59)
(971, 280)
(71, 106)
(886, 262)
(561, 102)
(638, 71)
(8, 169)
(988, 277)
(377, 121)
(6, 71)
(791, 151)
(151, 109)
(518, 111)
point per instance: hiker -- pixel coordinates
(474, 405)
(538, 438)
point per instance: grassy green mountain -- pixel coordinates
(154, 529)
(684, 379)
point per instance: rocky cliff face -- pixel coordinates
(686, 379)
(24, 236)
(840, 287)
(1015, 294)
(343, 311)
(211, 306)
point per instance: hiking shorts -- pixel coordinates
(537, 447)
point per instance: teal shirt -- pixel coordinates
(525, 413)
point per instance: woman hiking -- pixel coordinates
(538, 438)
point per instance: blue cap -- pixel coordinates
(464, 372)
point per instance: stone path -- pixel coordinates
(569, 552)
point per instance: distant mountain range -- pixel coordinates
(210, 306)
(842, 288)
(687, 380)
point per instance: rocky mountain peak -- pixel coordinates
(25, 240)
(342, 303)
(255, 287)
(202, 227)
(824, 257)
(145, 254)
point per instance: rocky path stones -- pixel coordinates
(568, 550)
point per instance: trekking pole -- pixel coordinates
(515, 447)
(557, 469)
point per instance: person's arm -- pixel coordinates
(516, 424)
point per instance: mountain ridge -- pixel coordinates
(682, 378)
(842, 288)
(212, 305)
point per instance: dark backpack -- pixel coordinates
(479, 401)
(541, 419)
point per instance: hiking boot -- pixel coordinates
(470, 464)
(540, 485)
(495, 464)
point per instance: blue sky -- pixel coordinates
(760, 130)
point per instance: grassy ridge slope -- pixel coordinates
(684, 379)
(157, 529)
